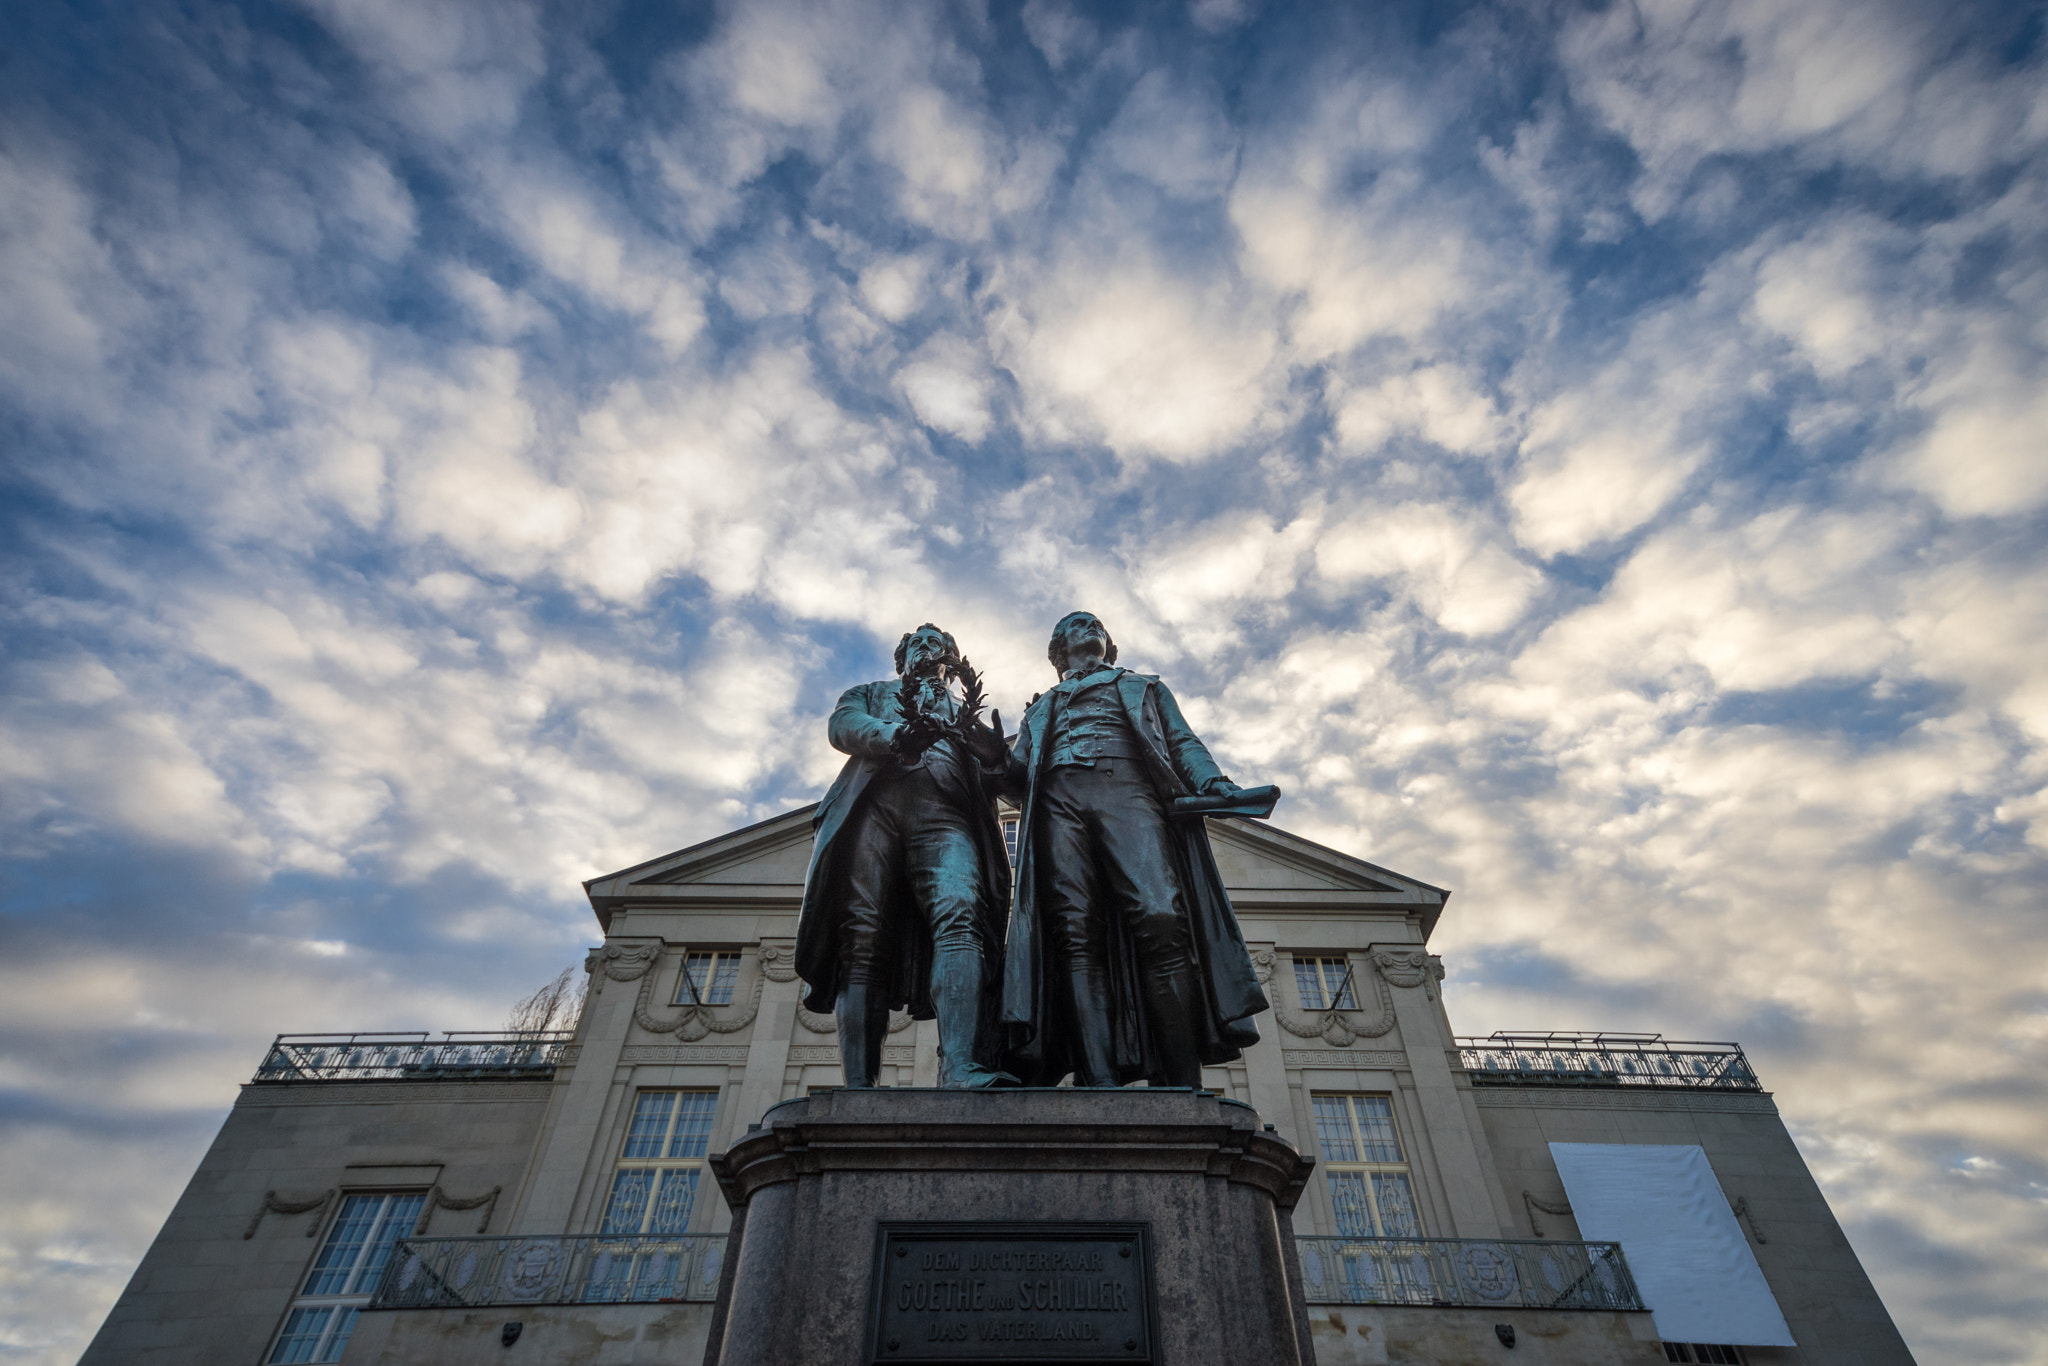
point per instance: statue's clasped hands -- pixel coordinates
(915, 735)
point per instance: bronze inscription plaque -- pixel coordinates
(1011, 1292)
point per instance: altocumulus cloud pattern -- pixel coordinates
(1590, 455)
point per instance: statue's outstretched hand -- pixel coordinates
(985, 739)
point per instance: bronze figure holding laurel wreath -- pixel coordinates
(909, 879)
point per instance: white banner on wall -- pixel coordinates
(1693, 1266)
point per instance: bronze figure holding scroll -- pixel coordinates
(1124, 960)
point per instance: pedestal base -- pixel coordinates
(1143, 1225)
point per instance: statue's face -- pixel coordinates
(1084, 635)
(926, 651)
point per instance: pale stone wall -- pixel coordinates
(1828, 1302)
(204, 1294)
(743, 1053)
(1364, 1335)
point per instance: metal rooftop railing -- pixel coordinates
(449, 1273)
(1559, 1058)
(412, 1057)
(1487, 1273)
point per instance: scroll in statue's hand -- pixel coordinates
(1225, 798)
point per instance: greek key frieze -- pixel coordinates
(683, 1053)
(1634, 1098)
(1386, 1059)
(815, 1054)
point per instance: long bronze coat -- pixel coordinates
(1179, 765)
(860, 727)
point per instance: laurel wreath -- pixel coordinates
(922, 730)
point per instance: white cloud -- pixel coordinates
(375, 207)
(1176, 138)
(894, 286)
(1688, 80)
(1058, 30)
(458, 70)
(1441, 403)
(502, 314)
(1985, 451)
(1197, 584)
(1603, 454)
(81, 752)
(1118, 350)
(948, 387)
(941, 152)
(1456, 571)
(1360, 272)
(1969, 382)
(57, 276)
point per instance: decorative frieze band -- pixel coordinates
(683, 1053)
(898, 1055)
(1382, 1059)
(1633, 1098)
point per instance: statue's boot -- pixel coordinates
(863, 1017)
(1088, 993)
(959, 996)
(1170, 1001)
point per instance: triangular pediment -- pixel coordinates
(1262, 865)
(1266, 867)
(1250, 856)
(764, 860)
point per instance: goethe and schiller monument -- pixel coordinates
(1122, 961)
(1044, 1048)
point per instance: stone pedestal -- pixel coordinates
(1066, 1225)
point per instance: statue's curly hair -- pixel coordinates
(952, 646)
(1056, 649)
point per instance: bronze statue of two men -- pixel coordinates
(1115, 957)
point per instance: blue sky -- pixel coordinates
(1591, 457)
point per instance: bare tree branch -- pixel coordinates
(556, 1006)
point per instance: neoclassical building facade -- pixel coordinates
(401, 1199)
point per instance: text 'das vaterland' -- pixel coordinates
(1012, 1292)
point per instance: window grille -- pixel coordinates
(317, 1326)
(654, 1188)
(707, 979)
(1370, 1184)
(1010, 838)
(1703, 1353)
(1325, 984)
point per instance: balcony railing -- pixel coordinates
(1606, 1060)
(1517, 1273)
(411, 1057)
(455, 1273)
